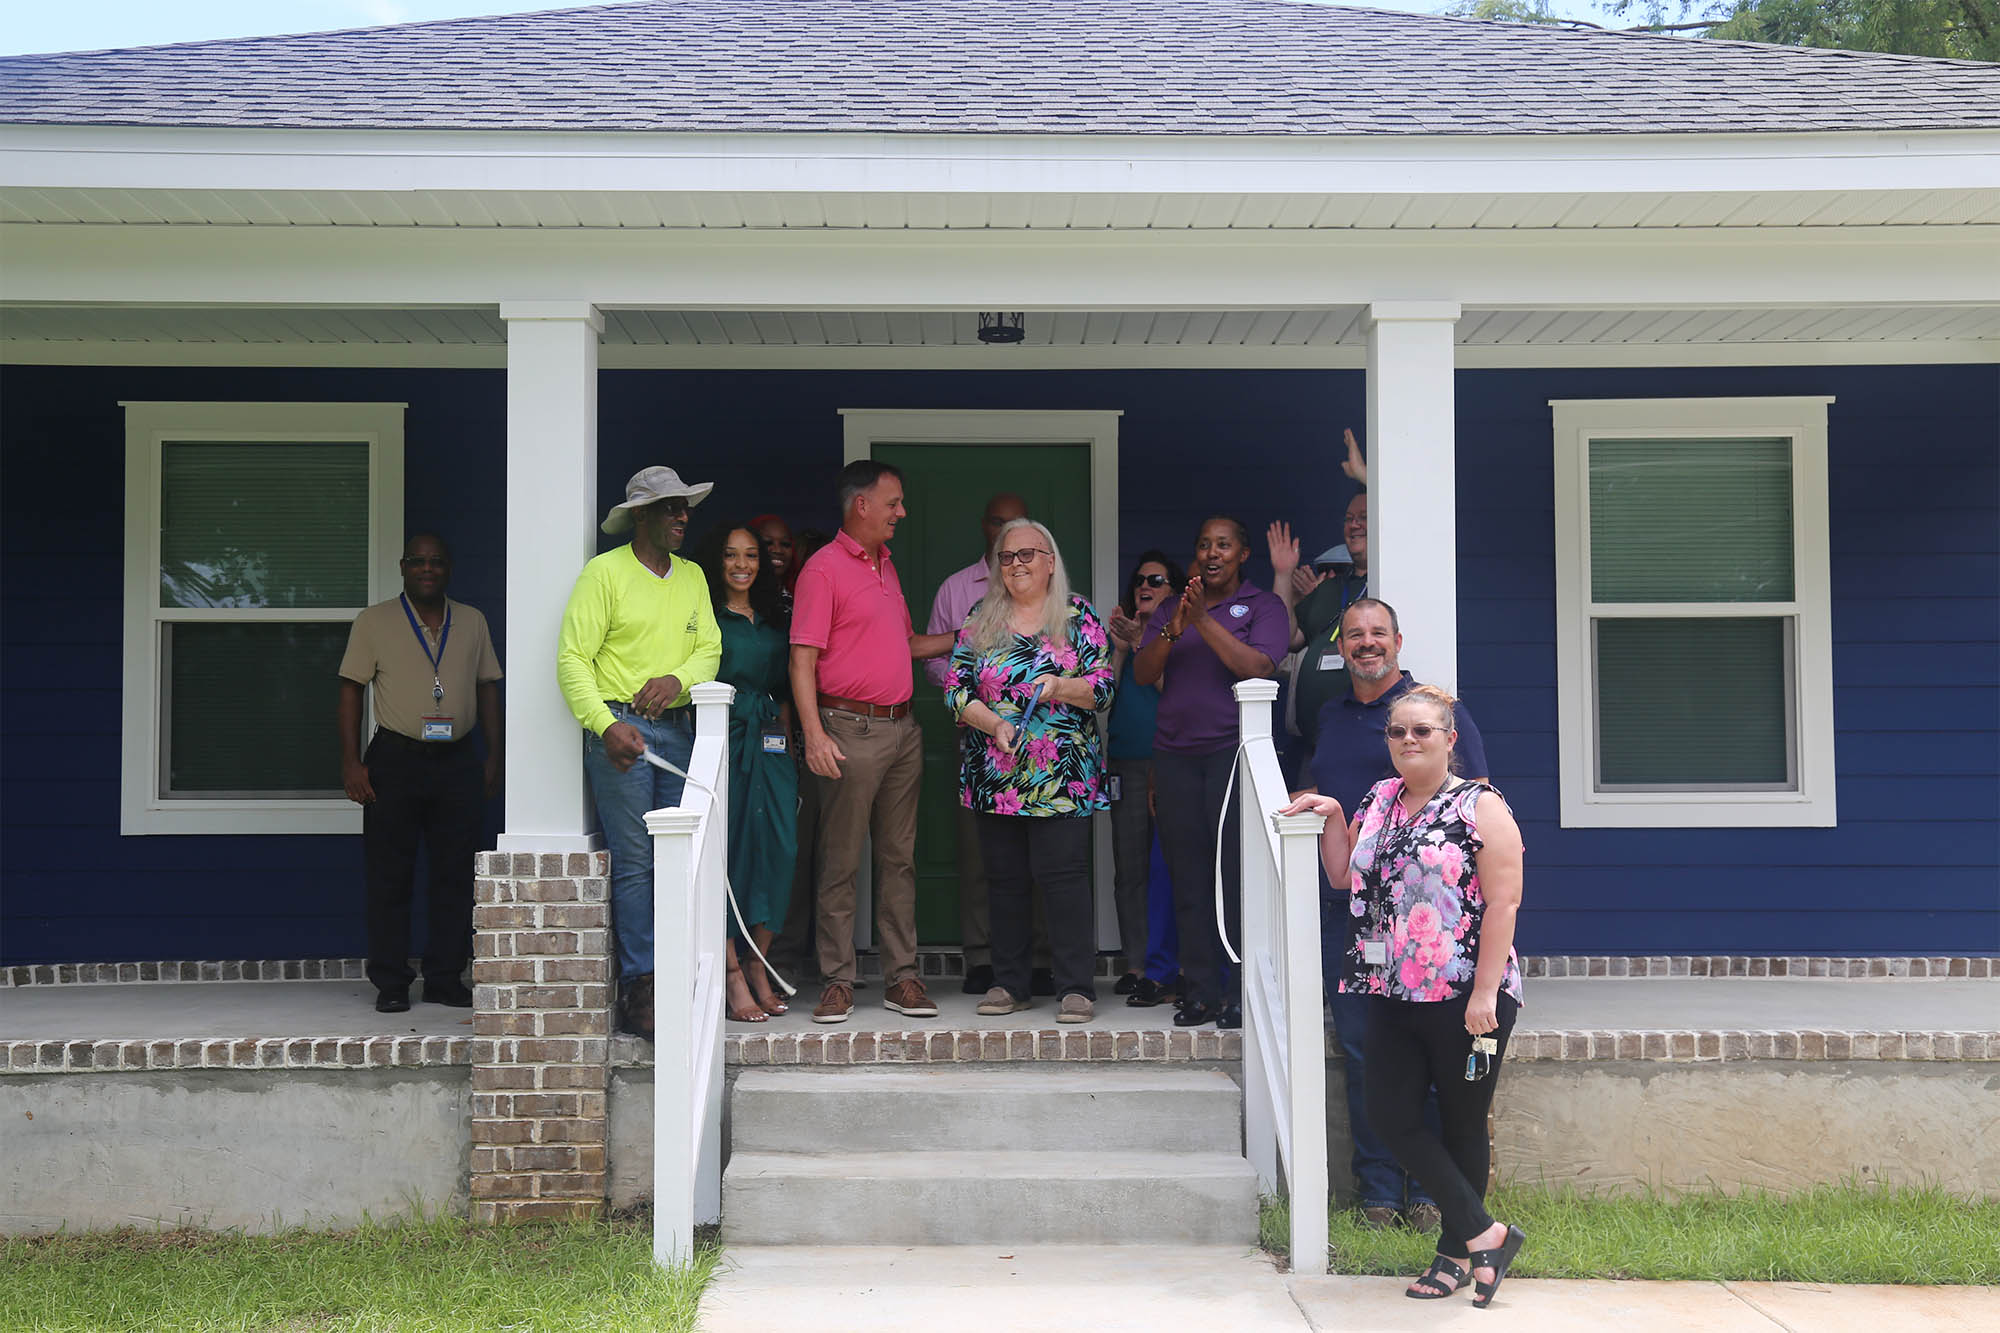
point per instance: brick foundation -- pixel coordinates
(542, 985)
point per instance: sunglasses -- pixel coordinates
(1026, 555)
(1423, 731)
(1149, 580)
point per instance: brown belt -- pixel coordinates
(890, 711)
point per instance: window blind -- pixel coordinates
(250, 709)
(1696, 701)
(1683, 520)
(253, 524)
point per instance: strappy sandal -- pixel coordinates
(1434, 1290)
(1499, 1261)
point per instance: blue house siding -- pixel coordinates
(1914, 499)
(1915, 494)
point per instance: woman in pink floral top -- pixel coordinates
(1031, 670)
(1436, 868)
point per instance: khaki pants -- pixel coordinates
(874, 797)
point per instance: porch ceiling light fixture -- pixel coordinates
(998, 326)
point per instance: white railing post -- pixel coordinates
(1305, 1003)
(711, 734)
(1284, 1068)
(690, 852)
(1261, 1131)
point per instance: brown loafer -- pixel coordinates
(836, 1003)
(639, 1006)
(1379, 1219)
(1423, 1216)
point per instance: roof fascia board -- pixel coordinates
(1113, 357)
(137, 158)
(944, 270)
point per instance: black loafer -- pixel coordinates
(447, 990)
(393, 1001)
(1229, 1017)
(1146, 994)
(1192, 1014)
(978, 980)
(1127, 984)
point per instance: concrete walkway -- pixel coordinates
(1145, 1289)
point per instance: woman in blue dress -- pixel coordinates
(763, 780)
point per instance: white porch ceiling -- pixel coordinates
(814, 210)
(48, 327)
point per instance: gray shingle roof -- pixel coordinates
(997, 66)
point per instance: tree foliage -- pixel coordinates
(1961, 29)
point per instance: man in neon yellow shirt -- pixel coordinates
(637, 634)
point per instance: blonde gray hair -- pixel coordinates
(992, 619)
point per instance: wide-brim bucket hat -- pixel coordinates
(647, 485)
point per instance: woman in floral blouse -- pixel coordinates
(1435, 863)
(1031, 668)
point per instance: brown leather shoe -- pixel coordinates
(836, 1002)
(639, 1006)
(1379, 1219)
(1423, 1216)
(907, 997)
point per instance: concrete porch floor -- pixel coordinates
(158, 1010)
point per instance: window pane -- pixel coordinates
(249, 709)
(1691, 520)
(255, 524)
(1693, 702)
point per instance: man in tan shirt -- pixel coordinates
(436, 680)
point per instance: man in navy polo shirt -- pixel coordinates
(1350, 755)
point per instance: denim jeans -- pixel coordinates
(1379, 1182)
(622, 802)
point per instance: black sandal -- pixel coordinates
(1434, 1290)
(1499, 1261)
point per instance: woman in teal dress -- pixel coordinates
(763, 780)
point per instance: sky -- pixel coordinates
(89, 25)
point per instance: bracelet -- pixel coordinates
(1170, 638)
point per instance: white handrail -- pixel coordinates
(690, 870)
(1284, 1050)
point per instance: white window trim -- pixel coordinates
(147, 426)
(1803, 421)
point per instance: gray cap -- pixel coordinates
(1336, 554)
(647, 485)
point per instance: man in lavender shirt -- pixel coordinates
(956, 597)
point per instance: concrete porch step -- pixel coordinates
(989, 1198)
(985, 1108)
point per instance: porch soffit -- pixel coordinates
(643, 333)
(1567, 210)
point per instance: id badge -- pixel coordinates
(776, 742)
(1375, 953)
(1329, 662)
(1117, 785)
(437, 728)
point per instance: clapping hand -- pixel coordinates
(1125, 630)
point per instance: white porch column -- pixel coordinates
(1412, 504)
(552, 519)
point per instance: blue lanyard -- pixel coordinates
(435, 659)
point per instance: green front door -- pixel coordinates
(946, 487)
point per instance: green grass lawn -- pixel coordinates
(437, 1276)
(1835, 1233)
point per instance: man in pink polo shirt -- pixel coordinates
(852, 643)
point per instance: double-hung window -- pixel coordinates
(1693, 622)
(254, 533)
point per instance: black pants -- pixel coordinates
(1187, 792)
(1053, 852)
(1412, 1048)
(433, 793)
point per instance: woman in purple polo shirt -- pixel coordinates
(1219, 631)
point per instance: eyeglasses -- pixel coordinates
(1026, 555)
(1149, 580)
(673, 508)
(1423, 731)
(427, 561)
